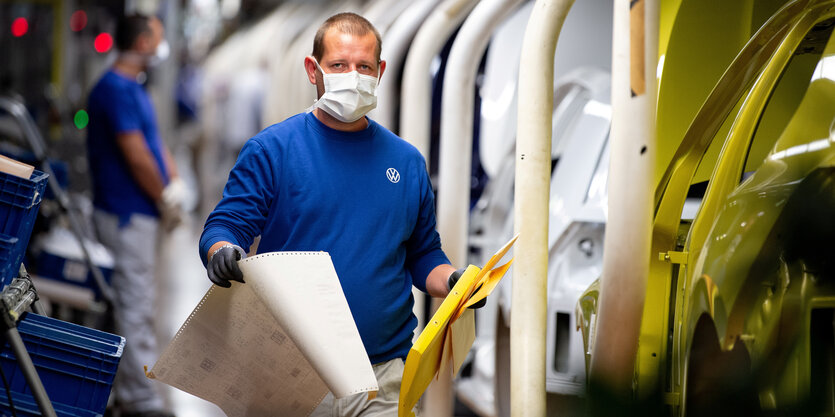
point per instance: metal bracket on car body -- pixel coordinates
(673, 257)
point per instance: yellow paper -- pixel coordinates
(493, 278)
(461, 334)
(450, 333)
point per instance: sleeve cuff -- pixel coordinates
(420, 270)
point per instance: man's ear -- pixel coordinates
(310, 69)
(382, 68)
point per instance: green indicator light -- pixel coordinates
(81, 119)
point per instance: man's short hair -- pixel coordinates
(129, 28)
(350, 23)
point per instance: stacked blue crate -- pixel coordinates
(19, 202)
(26, 406)
(76, 365)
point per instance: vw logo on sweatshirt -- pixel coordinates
(393, 175)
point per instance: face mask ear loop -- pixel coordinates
(313, 106)
(316, 62)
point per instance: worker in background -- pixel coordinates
(135, 190)
(333, 180)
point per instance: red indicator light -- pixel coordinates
(19, 27)
(103, 42)
(78, 21)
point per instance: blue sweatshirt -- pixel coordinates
(364, 197)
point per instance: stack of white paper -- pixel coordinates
(273, 346)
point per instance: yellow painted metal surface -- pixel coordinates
(705, 35)
(698, 40)
(744, 261)
(675, 182)
(732, 263)
(768, 282)
(667, 12)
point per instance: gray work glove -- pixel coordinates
(223, 265)
(454, 277)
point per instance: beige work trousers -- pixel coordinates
(388, 375)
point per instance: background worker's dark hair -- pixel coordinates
(350, 23)
(129, 28)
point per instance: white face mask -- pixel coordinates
(348, 96)
(160, 54)
(149, 60)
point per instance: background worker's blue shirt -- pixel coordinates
(118, 104)
(364, 197)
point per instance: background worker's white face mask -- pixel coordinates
(149, 60)
(348, 95)
(160, 54)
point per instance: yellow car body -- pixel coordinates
(739, 300)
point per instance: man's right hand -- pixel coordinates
(223, 265)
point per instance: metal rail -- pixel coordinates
(15, 299)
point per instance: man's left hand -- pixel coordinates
(454, 277)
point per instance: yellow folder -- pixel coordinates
(449, 335)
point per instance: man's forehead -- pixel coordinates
(336, 41)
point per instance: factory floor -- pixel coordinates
(182, 282)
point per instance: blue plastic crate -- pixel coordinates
(59, 168)
(69, 271)
(8, 252)
(26, 406)
(76, 364)
(19, 202)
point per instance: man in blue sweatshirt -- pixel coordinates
(334, 180)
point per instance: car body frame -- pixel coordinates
(739, 300)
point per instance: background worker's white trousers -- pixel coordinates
(134, 249)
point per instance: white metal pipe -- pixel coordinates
(533, 177)
(396, 43)
(416, 94)
(382, 12)
(626, 250)
(457, 108)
